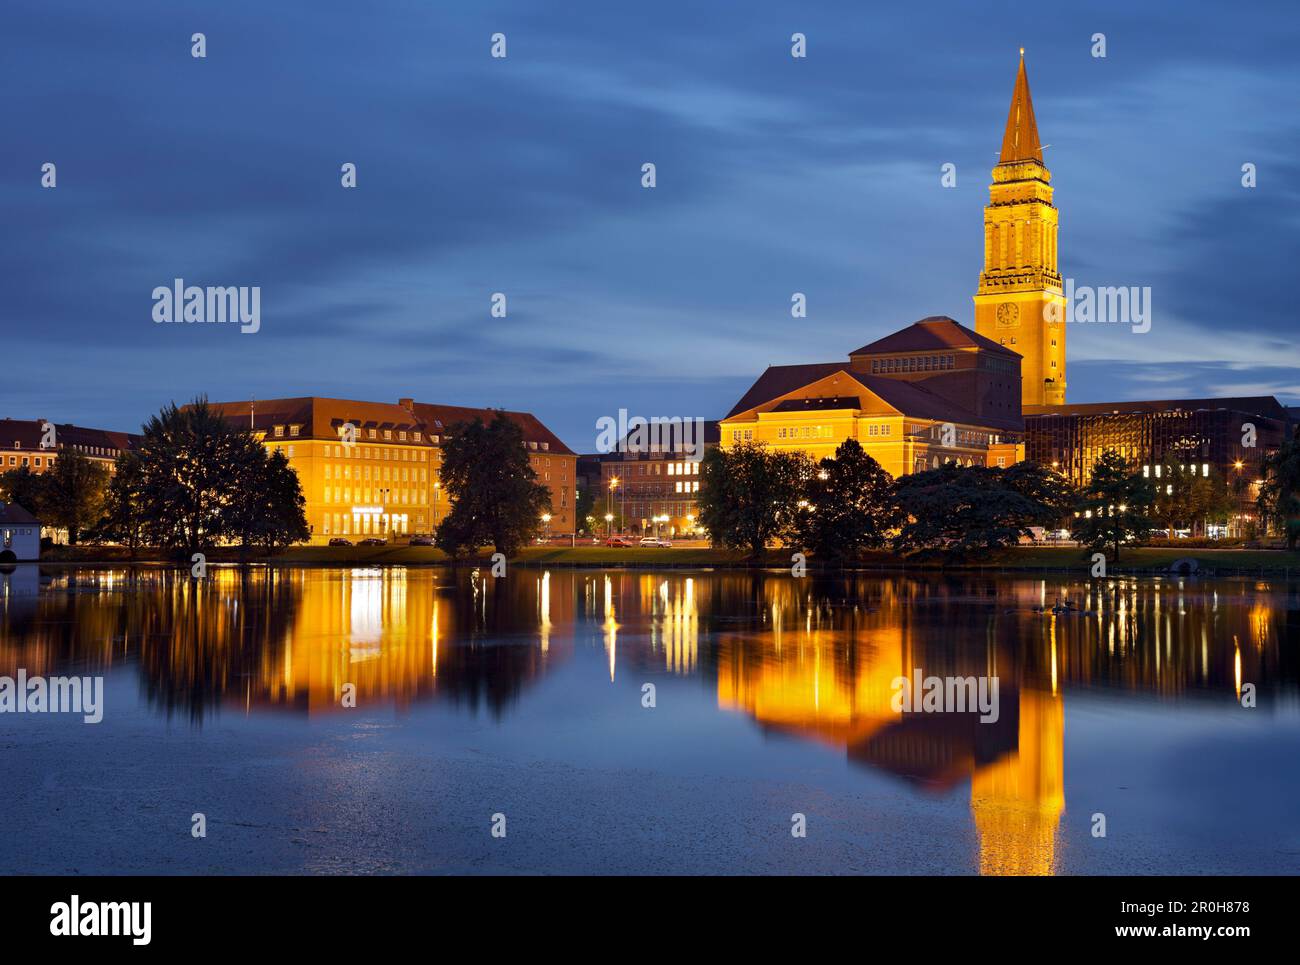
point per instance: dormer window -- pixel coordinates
(416, 436)
(279, 432)
(293, 430)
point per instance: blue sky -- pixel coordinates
(522, 175)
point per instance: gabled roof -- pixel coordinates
(908, 398)
(780, 379)
(1020, 142)
(14, 514)
(936, 333)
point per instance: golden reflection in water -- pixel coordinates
(1018, 800)
(610, 627)
(815, 658)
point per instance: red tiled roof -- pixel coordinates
(780, 379)
(28, 433)
(320, 417)
(931, 334)
(440, 418)
(910, 398)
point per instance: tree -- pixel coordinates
(584, 509)
(270, 511)
(73, 493)
(1279, 493)
(124, 520)
(1175, 489)
(749, 495)
(1044, 486)
(24, 488)
(188, 479)
(1212, 499)
(958, 511)
(848, 505)
(494, 491)
(1115, 506)
(203, 480)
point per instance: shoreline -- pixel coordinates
(1146, 561)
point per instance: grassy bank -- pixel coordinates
(1063, 558)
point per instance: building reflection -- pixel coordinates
(814, 658)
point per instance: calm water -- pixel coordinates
(524, 697)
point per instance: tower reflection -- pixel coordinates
(814, 658)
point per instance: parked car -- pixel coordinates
(618, 541)
(373, 541)
(422, 540)
(655, 541)
(340, 541)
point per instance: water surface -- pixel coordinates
(526, 697)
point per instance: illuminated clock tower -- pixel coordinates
(1019, 302)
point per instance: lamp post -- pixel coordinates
(613, 485)
(546, 523)
(609, 524)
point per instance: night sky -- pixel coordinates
(523, 175)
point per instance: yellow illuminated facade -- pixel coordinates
(816, 418)
(1019, 302)
(372, 469)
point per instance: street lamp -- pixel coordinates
(609, 524)
(546, 522)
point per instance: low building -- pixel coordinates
(381, 477)
(652, 491)
(20, 534)
(930, 394)
(36, 443)
(1230, 436)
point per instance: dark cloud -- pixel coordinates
(478, 175)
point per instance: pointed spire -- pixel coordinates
(1020, 142)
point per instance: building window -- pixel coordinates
(279, 432)
(293, 430)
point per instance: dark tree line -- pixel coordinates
(193, 482)
(840, 507)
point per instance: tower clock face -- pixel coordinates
(1008, 314)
